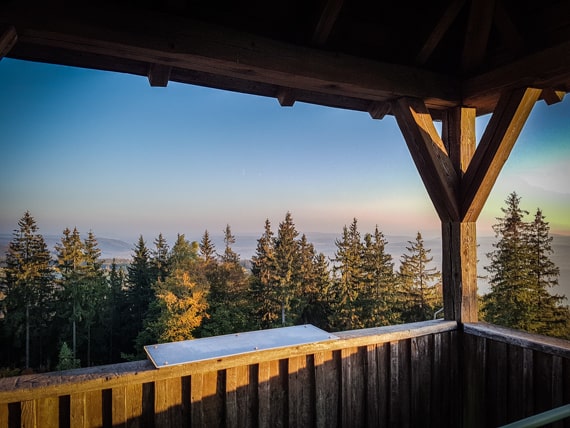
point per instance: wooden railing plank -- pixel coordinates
(372, 386)
(421, 371)
(48, 412)
(29, 413)
(326, 388)
(77, 410)
(119, 406)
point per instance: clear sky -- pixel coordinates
(106, 152)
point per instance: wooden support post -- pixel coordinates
(459, 242)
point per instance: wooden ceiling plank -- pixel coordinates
(8, 38)
(439, 31)
(326, 23)
(202, 47)
(494, 148)
(429, 155)
(159, 75)
(477, 33)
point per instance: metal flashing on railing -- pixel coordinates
(187, 351)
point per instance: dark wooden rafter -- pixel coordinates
(159, 75)
(430, 156)
(379, 110)
(327, 20)
(477, 33)
(439, 31)
(492, 152)
(8, 38)
(506, 27)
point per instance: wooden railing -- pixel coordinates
(510, 375)
(423, 374)
(402, 375)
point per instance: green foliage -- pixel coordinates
(66, 361)
(521, 273)
(419, 285)
(28, 285)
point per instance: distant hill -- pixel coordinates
(246, 245)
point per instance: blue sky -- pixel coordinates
(106, 152)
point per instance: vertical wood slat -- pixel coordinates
(77, 410)
(405, 381)
(29, 413)
(239, 400)
(48, 412)
(4, 414)
(394, 395)
(373, 392)
(207, 397)
(301, 401)
(421, 366)
(326, 389)
(168, 402)
(383, 364)
(353, 387)
(473, 372)
(496, 388)
(119, 406)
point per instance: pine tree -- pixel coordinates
(159, 259)
(313, 276)
(286, 264)
(510, 301)
(420, 286)
(229, 307)
(115, 313)
(29, 295)
(263, 281)
(207, 248)
(521, 274)
(380, 306)
(553, 316)
(72, 293)
(348, 280)
(139, 290)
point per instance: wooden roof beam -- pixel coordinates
(477, 33)
(494, 148)
(286, 97)
(8, 38)
(327, 20)
(551, 96)
(430, 156)
(439, 31)
(192, 46)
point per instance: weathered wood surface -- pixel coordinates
(510, 375)
(371, 377)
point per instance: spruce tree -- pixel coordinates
(512, 297)
(159, 259)
(29, 290)
(521, 275)
(139, 290)
(420, 285)
(207, 248)
(286, 264)
(72, 295)
(348, 280)
(263, 282)
(380, 300)
(115, 312)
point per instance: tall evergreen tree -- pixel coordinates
(29, 296)
(72, 292)
(348, 280)
(286, 264)
(420, 285)
(380, 295)
(263, 283)
(521, 274)
(115, 313)
(229, 256)
(207, 248)
(159, 259)
(139, 290)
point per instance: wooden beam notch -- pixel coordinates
(8, 38)
(159, 75)
(552, 96)
(378, 110)
(286, 97)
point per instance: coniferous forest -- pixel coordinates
(69, 310)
